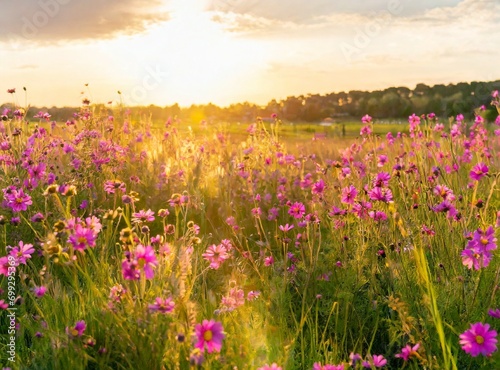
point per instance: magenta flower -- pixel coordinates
(408, 351)
(161, 305)
(82, 238)
(494, 313)
(475, 257)
(478, 171)
(318, 366)
(318, 187)
(146, 258)
(39, 291)
(297, 210)
(366, 119)
(484, 239)
(77, 330)
(349, 194)
(22, 252)
(17, 200)
(209, 335)
(381, 194)
(216, 255)
(478, 339)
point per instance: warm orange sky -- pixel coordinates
(226, 51)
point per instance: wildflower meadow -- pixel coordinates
(127, 244)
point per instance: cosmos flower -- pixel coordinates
(297, 210)
(77, 330)
(209, 336)
(216, 255)
(408, 351)
(478, 171)
(478, 339)
(162, 305)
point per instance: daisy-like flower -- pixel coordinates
(297, 210)
(408, 351)
(17, 200)
(349, 194)
(484, 239)
(82, 238)
(146, 258)
(475, 257)
(318, 187)
(216, 255)
(478, 171)
(143, 216)
(162, 305)
(479, 340)
(381, 194)
(209, 336)
(22, 252)
(375, 360)
(77, 330)
(111, 186)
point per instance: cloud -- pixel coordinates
(52, 21)
(306, 12)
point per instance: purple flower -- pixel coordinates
(17, 200)
(478, 339)
(494, 313)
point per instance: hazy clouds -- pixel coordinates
(48, 21)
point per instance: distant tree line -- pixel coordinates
(391, 103)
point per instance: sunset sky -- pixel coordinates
(226, 51)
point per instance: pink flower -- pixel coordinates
(349, 194)
(22, 252)
(318, 187)
(82, 238)
(77, 330)
(17, 200)
(297, 210)
(143, 258)
(478, 171)
(39, 291)
(209, 335)
(408, 351)
(366, 119)
(110, 186)
(146, 257)
(216, 255)
(475, 257)
(478, 339)
(268, 261)
(375, 360)
(494, 313)
(162, 305)
(143, 216)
